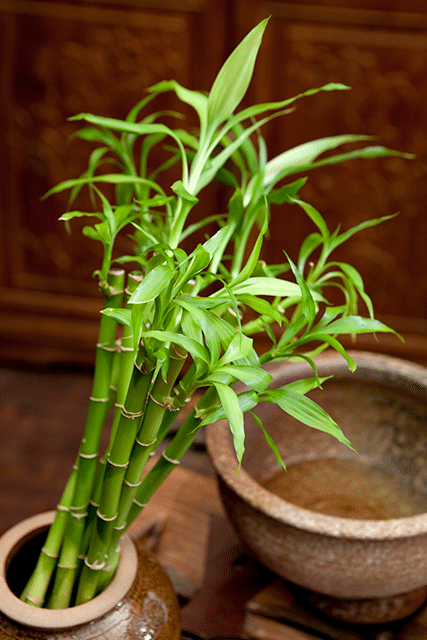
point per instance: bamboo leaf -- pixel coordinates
(355, 325)
(247, 401)
(308, 306)
(306, 411)
(266, 286)
(124, 316)
(304, 154)
(254, 378)
(315, 216)
(239, 347)
(192, 346)
(234, 77)
(182, 192)
(234, 413)
(261, 306)
(153, 284)
(270, 441)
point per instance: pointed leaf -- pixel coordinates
(124, 316)
(270, 441)
(234, 77)
(234, 413)
(308, 412)
(153, 284)
(308, 306)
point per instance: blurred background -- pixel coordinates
(60, 57)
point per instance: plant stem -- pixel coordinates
(88, 452)
(130, 418)
(37, 586)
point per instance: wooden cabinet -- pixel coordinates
(59, 58)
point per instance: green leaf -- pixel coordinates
(261, 306)
(252, 377)
(260, 286)
(315, 216)
(270, 441)
(304, 154)
(182, 192)
(192, 346)
(308, 306)
(234, 77)
(239, 347)
(69, 215)
(153, 284)
(247, 401)
(337, 240)
(355, 325)
(124, 316)
(306, 411)
(252, 261)
(287, 192)
(195, 99)
(234, 413)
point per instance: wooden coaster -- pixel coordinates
(274, 614)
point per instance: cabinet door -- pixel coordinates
(58, 59)
(382, 56)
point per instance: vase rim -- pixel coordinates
(39, 618)
(221, 452)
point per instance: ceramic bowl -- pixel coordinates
(349, 527)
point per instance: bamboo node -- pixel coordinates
(100, 515)
(145, 444)
(93, 399)
(79, 516)
(61, 507)
(115, 464)
(48, 553)
(105, 346)
(140, 504)
(130, 414)
(36, 601)
(130, 484)
(171, 460)
(122, 526)
(95, 566)
(88, 456)
(71, 567)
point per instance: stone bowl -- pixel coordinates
(348, 527)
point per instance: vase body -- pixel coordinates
(352, 565)
(140, 605)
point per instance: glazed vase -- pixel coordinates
(139, 604)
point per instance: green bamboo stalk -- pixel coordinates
(126, 354)
(89, 449)
(36, 588)
(169, 459)
(151, 432)
(131, 416)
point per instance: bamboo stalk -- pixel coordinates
(89, 449)
(130, 418)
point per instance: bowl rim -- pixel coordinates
(221, 453)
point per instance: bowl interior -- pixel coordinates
(386, 475)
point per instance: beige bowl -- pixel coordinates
(355, 533)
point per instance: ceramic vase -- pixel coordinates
(139, 604)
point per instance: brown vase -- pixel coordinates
(139, 603)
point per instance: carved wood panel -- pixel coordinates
(382, 56)
(59, 59)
